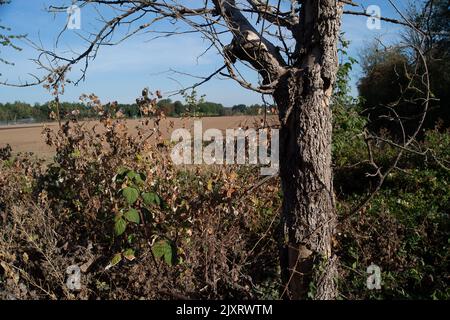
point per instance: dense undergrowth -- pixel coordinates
(405, 228)
(137, 226)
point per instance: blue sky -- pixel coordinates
(120, 72)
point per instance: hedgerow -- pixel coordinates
(112, 204)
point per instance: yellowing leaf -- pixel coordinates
(129, 254)
(210, 185)
(116, 259)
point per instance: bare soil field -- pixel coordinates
(28, 138)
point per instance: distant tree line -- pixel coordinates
(20, 111)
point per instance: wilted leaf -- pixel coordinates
(129, 254)
(209, 186)
(25, 257)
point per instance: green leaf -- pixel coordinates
(163, 249)
(75, 154)
(132, 215)
(131, 174)
(136, 177)
(158, 200)
(131, 238)
(130, 194)
(121, 173)
(129, 254)
(116, 259)
(140, 178)
(122, 170)
(120, 226)
(151, 198)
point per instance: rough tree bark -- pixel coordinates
(308, 212)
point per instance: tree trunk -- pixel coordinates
(308, 212)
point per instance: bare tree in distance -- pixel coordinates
(292, 46)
